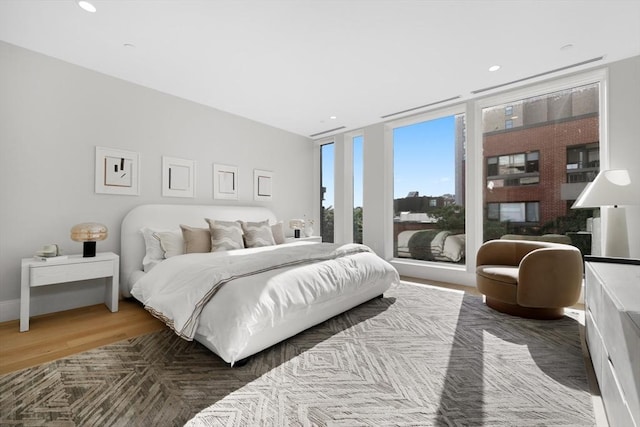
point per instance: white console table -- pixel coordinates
(75, 267)
(612, 312)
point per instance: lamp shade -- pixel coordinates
(296, 224)
(610, 188)
(88, 232)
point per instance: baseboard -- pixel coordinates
(65, 297)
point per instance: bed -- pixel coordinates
(240, 302)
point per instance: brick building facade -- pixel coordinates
(551, 141)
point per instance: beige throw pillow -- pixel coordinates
(196, 240)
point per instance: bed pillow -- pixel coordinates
(196, 240)
(153, 252)
(225, 235)
(278, 233)
(257, 234)
(171, 242)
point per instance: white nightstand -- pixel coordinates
(304, 239)
(74, 268)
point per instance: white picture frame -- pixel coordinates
(262, 185)
(178, 177)
(117, 172)
(225, 182)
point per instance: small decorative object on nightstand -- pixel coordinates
(89, 233)
(308, 227)
(297, 225)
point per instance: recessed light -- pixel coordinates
(494, 68)
(85, 5)
(333, 117)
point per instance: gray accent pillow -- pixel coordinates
(196, 240)
(225, 235)
(257, 234)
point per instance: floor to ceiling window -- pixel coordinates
(538, 154)
(327, 165)
(357, 188)
(429, 164)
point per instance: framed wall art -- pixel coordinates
(117, 172)
(178, 177)
(225, 182)
(262, 184)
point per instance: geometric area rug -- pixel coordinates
(420, 356)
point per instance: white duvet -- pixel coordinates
(226, 298)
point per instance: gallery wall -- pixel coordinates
(54, 114)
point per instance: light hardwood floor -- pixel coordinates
(56, 335)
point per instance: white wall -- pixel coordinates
(53, 114)
(624, 133)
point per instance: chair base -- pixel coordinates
(527, 312)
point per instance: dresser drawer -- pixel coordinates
(615, 404)
(50, 274)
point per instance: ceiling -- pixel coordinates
(296, 64)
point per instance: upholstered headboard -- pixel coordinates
(169, 217)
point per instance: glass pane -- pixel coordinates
(429, 186)
(326, 192)
(357, 188)
(544, 162)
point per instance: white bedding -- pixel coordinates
(260, 293)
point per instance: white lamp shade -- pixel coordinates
(610, 188)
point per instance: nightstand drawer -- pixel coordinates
(50, 274)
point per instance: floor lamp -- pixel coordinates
(611, 188)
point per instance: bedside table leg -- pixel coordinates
(112, 289)
(25, 299)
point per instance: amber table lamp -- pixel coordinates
(89, 233)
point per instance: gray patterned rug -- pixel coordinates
(420, 356)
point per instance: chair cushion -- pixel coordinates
(499, 273)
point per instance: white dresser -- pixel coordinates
(612, 307)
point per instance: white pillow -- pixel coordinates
(171, 242)
(153, 252)
(278, 233)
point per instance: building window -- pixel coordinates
(508, 124)
(326, 191)
(557, 132)
(501, 169)
(514, 212)
(583, 162)
(358, 182)
(508, 110)
(428, 167)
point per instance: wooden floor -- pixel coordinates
(56, 335)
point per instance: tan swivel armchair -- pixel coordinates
(529, 279)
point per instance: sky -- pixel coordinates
(424, 161)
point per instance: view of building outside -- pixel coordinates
(428, 206)
(357, 188)
(539, 154)
(327, 155)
